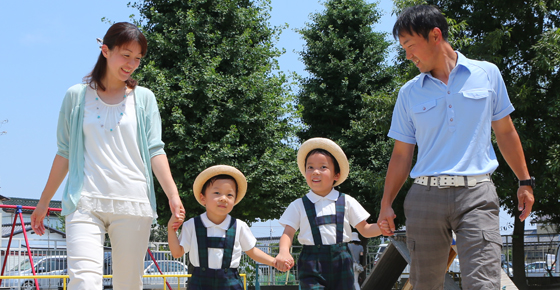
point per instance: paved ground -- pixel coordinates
(547, 287)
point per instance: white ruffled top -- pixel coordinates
(114, 180)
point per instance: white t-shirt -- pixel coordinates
(244, 241)
(296, 217)
(114, 180)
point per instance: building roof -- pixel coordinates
(532, 237)
(268, 240)
(29, 202)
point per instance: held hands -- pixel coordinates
(526, 201)
(384, 227)
(177, 212)
(386, 221)
(37, 218)
(174, 223)
(283, 262)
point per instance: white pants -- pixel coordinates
(85, 237)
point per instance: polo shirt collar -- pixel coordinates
(209, 224)
(461, 61)
(314, 198)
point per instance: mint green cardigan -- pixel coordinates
(70, 140)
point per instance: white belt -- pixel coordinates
(446, 181)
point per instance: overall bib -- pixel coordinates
(204, 278)
(326, 266)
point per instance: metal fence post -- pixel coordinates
(257, 284)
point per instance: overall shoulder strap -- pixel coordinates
(229, 243)
(201, 240)
(312, 217)
(340, 207)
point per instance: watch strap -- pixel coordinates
(528, 182)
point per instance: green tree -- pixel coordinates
(348, 81)
(211, 65)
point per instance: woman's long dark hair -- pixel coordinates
(119, 34)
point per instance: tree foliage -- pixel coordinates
(210, 64)
(348, 95)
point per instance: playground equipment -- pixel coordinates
(19, 215)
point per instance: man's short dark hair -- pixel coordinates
(420, 19)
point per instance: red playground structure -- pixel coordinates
(19, 214)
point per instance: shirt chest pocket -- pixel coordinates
(425, 114)
(475, 105)
(476, 95)
(424, 107)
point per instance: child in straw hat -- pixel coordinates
(324, 217)
(214, 239)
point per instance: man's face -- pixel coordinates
(419, 50)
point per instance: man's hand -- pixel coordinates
(386, 221)
(526, 200)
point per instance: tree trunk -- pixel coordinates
(518, 253)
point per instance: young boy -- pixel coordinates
(215, 239)
(324, 217)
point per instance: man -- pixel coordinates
(448, 111)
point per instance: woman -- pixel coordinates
(109, 142)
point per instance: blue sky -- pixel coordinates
(48, 46)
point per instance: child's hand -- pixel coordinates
(384, 226)
(286, 267)
(174, 223)
(284, 262)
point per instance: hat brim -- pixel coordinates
(327, 145)
(210, 172)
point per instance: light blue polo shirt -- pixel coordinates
(451, 124)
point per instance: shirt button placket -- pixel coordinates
(450, 112)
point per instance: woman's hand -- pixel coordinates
(177, 210)
(37, 218)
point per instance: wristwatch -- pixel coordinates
(530, 182)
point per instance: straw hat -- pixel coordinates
(355, 237)
(331, 147)
(210, 172)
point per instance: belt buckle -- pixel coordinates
(439, 183)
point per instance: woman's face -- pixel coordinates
(123, 60)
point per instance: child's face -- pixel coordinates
(219, 198)
(320, 174)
